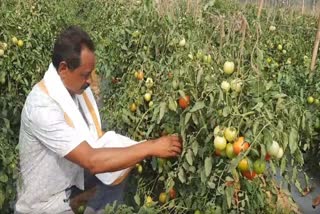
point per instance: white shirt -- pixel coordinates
(45, 138)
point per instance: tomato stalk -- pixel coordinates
(149, 109)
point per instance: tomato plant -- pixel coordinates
(257, 83)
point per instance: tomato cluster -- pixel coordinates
(228, 143)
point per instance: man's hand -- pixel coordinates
(167, 146)
(99, 160)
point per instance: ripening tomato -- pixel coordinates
(221, 153)
(149, 201)
(268, 157)
(140, 75)
(249, 175)
(240, 145)
(184, 102)
(243, 165)
(163, 197)
(172, 193)
(133, 107)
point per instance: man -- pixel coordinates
(61, 135)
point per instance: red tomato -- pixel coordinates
(184, 102)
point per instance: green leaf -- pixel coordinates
(294, 174)
(267, 137)
(226, 111)
(211, 185)
(2, 198)
(283, 165)
(181, 175)
(155, 113)
(137, 199)
(189, 157)
(200, 72)
(172, 104)
(273, 168)
(229, 194)
(150, 129)
(255, 127)
(125, 119)
(299, 157)
(195, 148)
(303, 123)
(298, 185)
(203, 176)
(293, 140)
(187, 118)
(208, 166)
(163, 108)
(182, 94)
(199, 105)
(195, 119)
(285, 140)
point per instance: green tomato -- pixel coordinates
(182, 42)
(272, 28)
(14, 40)
(149, 82)
(280, 153)
(147, 97)
(150, 104)
(259, 166)
(225, 86)
(230, 134)
(273, 149)
(228, 67)
(229, 151)
(310, 99)
(220, 143)
(149, 201)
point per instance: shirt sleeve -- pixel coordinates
(49, 126)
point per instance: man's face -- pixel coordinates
(77, 80)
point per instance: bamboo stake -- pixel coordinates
(315, 48)
(260, 8)
(302, 8)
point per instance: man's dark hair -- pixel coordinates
(68, 46)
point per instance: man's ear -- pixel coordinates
(63, 69)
